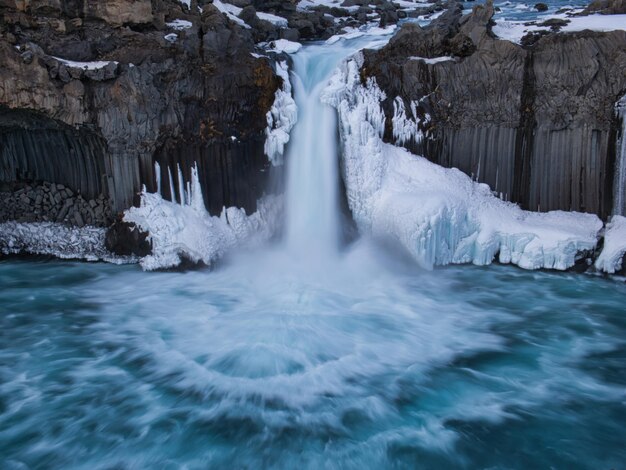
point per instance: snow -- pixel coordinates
(610, 260)
(231, 11)
(596, 23)
(187, 3)
(280, 118)
(274, 19)
(172, 37)
(188, 230)
(284, 45)
(369, 30)
(514, 31)
(180, 25)
(94, 65)
(433, 60)
(54, 239)
(308, 4)
(440, 215)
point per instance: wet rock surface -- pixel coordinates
(536, 123)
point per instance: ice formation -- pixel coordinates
(280, 118)
(405, 129)
(439, 215)
(188, 230)
(610, 260)
(619, 204)
(54, 239)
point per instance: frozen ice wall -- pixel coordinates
(439, 215)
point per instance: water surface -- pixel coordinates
(366, 362)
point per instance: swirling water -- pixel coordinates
(365, 363)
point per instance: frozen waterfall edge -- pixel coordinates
(440, 215)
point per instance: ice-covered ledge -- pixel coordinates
(58, 240)
(188, 231)
(440, 215)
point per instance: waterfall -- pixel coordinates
(619, 194)
(312, 205)
(312, 221)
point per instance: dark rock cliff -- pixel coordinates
(179, 96)
(536, 123)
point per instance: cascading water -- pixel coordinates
(312, 211)
(312, 206)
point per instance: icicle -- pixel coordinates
(405, 128)
(197, 201)
(181, 186)
(157, 174)
(619, 196)
(172, 192)
(280, 118)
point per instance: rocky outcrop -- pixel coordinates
(606, 7)
(536, 123)
(51, 202)
(92, 94)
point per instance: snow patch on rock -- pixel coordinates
(284, 45)
(232, 12)
(433, 60)
(439, 215)
(94, 65)
(274, 19)
(179, 24)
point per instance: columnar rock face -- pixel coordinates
(92, 93)
(536, 123)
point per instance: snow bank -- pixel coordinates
(188, 230)
(440, 215)
(514, 31)
(281, 118)
(53, 239)
(610, 260)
